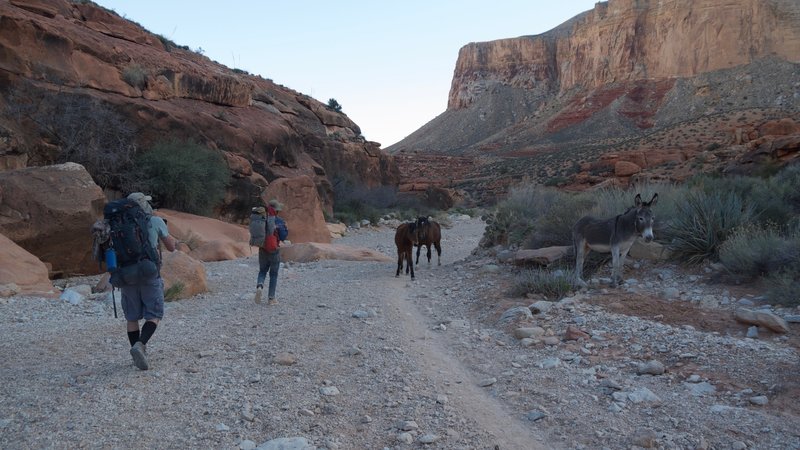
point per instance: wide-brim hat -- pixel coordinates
(276, 204)
(139, 197)
(259, 210)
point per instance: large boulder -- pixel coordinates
(22, 271)
(541, 256)
(312, 251)
(302, 209)
(49, 211)
(178, 268)
(207, 239)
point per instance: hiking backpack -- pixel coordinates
(136, 259)
(281, 229)
(258, 229)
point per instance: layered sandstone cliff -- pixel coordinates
(630, 90)
(59, 58)
(630, 40)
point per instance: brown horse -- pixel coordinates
(429, 233)
(405, 238)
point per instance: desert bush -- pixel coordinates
(83, 129)
(552, 284)
(185, 176)
(354, 201)
(782, 287)
(703, 221)
(135, 76)
(534, 216)
(778, 198)
(755, 250)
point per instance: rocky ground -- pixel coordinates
(354, 358)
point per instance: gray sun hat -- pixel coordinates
(276, 204)
(142, 200)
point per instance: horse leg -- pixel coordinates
(399, 263)
(438, 252)
(419, 249)
(411, 263)
(429, 253)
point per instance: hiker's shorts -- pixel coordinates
(144, 300)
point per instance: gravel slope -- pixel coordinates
(353, 358)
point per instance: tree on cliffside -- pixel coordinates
(334, 105)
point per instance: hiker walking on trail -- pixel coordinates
(144, 298)
(269, 256)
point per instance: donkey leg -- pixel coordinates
(622, 257)
(580, 253)
(616, 277)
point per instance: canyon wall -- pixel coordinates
(628, 40)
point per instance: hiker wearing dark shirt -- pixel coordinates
(145, 300)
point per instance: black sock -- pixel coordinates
(133, 336)
(147, 331)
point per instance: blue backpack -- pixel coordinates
(281, 229)
(134, 258)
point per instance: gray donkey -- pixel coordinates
(615, 236)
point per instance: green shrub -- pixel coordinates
(185, 176)
(174, 292)
(529, 218)
(702, 223)
(551, 284)
(135, 76)
(754, 251)
(354, 201)
(778, 198)
(782, 287)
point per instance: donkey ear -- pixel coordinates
(637, 202)
(654, 200)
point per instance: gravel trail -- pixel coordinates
(354, 358)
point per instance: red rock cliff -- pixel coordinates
(629, 40)
(56, 55)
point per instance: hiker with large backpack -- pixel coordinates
(131, 256)
(269, 256)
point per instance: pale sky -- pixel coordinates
(389, 64)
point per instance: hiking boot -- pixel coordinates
(259, 291)
(272, 301)
(139, 354)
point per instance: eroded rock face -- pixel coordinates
(22, 270)
(48, 211)
(673, 38)
(59, 56)
(302, 209)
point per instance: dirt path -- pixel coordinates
(449, 375)
(353, 358)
